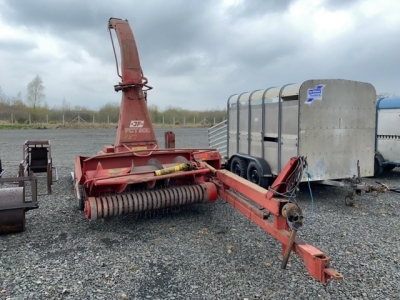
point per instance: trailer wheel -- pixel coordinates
(349, 200)
(239, 166)
(255, 175)
(388, 168)
(378, 165)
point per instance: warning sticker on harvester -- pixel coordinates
(137, 130)
(136, 124)
(314, 94)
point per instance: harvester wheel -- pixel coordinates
(239, 167)
(255, 174)
(81, 199)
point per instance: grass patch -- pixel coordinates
(17, 126)
(55, 126)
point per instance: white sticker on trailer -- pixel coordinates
(314, 94)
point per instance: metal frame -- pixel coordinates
(263, 122)
(235, 190)
(31, 164)
(280, 126)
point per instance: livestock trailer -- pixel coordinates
(329, 121)
(387, 134)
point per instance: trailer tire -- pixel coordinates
(255, 174)
(388, 168)
(81, 199)
(239, 166)
(349, 200)
(378, 165)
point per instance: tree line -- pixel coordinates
(36, 110)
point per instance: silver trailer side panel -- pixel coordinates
(232, 125)
(242, 138)
(331, 122)
(337, 128)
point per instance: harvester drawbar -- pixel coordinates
(134, 175)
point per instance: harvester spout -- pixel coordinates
(135, 131)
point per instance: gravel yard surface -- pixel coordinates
(205, 251)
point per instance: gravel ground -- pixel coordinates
(206, 251)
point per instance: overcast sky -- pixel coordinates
(196, 54)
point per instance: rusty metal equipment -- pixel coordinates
(131, 163)
(276, 211)
(37, 159)
(134, 175)
(169, 138)
(14, 203)
(357, 186)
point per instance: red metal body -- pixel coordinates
(134, 157)
(270, 218)
(133, 175)
(112, 173)
(169, 138)
(135, 131)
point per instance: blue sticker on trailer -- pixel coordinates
(314, 94)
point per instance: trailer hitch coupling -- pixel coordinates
(294, 216)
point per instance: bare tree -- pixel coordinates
(3, 98)
(36, 92)
(386, 95)
(17, 100)
(65, 105)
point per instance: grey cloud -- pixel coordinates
(339, 4)
(17, 46)
(192, 54)
(256, 8)
(56, 16)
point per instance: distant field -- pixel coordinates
(83, 126)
